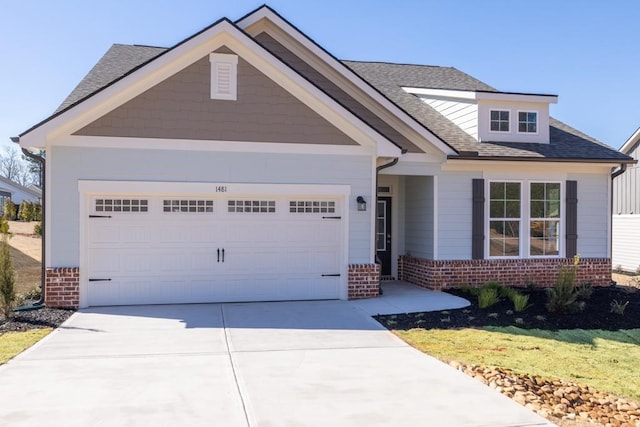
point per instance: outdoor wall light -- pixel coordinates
(362, 205)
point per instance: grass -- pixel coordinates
(604, 360)
(14, 343)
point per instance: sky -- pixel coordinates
(585, 51)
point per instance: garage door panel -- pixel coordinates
(160, 257)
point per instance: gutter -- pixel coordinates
(472, 155)
(615, 174)
(40, 160)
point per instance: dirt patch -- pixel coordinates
(27, 255)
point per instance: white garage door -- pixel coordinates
(169, 249)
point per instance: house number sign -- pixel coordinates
(221, 188)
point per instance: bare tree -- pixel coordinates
(12, 166)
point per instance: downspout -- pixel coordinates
(614, 175)
(40, 160)
(378, 169)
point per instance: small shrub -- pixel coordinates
(33, 294)
(487, 297)
(520, 302)
(7, 278)
(470, 290)
(37, 229)
(9, 210)
(618, 307)
(507, 292)
(562, 298)
(618, 269)
(4, 227)
(26, 211)
(585, 290)
(37, 212)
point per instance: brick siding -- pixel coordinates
(439, 275)
(62, 287)
(364, 281)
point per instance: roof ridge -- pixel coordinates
(397, 63)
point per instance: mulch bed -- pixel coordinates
(596, 315)
(34, 319)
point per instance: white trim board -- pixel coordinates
(211, 145)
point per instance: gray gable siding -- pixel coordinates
(335, 92)
(180, 107)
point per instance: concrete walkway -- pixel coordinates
(262, 364)
(402, 297)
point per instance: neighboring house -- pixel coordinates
(246, 163)
(626, 210)
(17, 193)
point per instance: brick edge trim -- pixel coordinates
(438, 275)
(62, 287)
(363, 281)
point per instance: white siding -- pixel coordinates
(418, 216)
(454, 214)
(626, 189)
(462, 114)
(626, 235)
(71, 164)
(593, 214)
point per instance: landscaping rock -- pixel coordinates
(559, 399)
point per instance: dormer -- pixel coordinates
(492, 116)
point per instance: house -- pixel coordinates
(246, 163)
(626, 210)
(17, 193)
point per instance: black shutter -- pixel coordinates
(572, 219)
(477, 220)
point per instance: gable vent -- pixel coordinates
(224, 79)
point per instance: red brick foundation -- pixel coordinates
(364, 281)
(514, 272)
(62, 287)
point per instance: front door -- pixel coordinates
(383, 234)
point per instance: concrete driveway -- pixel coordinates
(261, 364)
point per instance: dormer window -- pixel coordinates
(499, 121)
(527, 122)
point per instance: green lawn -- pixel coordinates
(608, 361)
(14, 343)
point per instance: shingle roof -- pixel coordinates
(388, 78)
(565, 142)
(118, 61)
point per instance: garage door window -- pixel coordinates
(255, 206)
(188, 206)
(122, 205)
(312, 206)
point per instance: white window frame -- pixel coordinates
(487, 225)
(219, 61)
(525, 219)
(561, 234)
(518, 122)
(491, 110)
